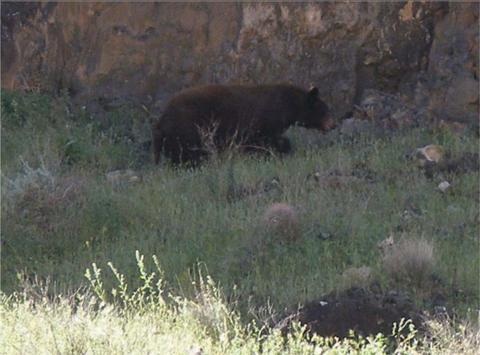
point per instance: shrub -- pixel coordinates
(281, 219)
(27, 179)
(409, 260)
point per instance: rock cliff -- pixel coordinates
(425, 52)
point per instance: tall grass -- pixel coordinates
(149, 319)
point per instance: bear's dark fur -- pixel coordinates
(254, 116)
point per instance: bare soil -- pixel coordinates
(365, 312)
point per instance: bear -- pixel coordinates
(252, 116)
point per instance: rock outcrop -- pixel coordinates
(426, 52)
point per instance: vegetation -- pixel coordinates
(60, 214)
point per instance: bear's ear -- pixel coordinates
(312, 95)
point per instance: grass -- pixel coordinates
(60, 215)
(151, 320)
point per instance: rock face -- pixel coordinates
(426, 52)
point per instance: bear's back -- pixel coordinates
(234, 100)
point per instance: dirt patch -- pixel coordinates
(341, 179)
(364, 312)
(466, 163)
(237, 191)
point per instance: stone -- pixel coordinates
(353, 127)
(432, 153)
(426, 52)
(444, 186)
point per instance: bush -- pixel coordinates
(410, 260)
(282, 221)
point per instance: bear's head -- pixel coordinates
(316, 113)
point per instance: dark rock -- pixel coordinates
(387, 111)
(336, 179)
(465, 163)
(353, 127)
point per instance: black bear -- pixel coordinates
(250, 115)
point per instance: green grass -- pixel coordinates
(60, 215)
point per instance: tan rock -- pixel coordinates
(444, 186)
(122, 177)
(432, 153)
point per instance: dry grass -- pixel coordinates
(214, 145)
(43, 204)
(208, 324)
(448, 337)
(281, 219)
(356, 277)
(409, 260)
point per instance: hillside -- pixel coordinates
(68, 201)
